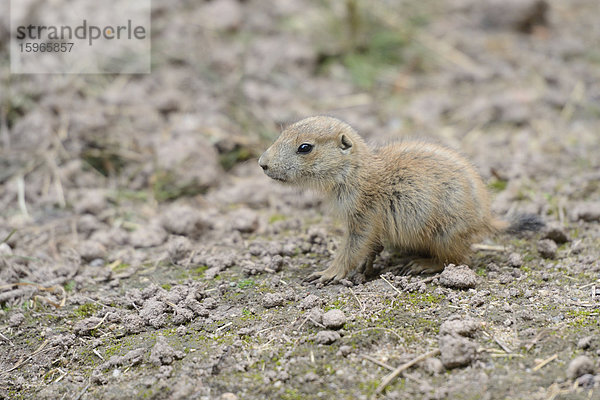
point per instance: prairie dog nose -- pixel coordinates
(262, 161)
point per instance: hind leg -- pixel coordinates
(418, 266)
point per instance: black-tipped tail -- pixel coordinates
(525, 222)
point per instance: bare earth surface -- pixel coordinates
(145, 255)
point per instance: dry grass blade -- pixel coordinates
(360, 304)
(8, 236)
(545, 362)
(25, 358)
(488, 247)
(377, 362)
(388, 379)
(502, 345)
(390, 283)
(51, 289)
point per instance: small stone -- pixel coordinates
(153, 312)
(90, 250)
(345, 350)
(272, 300)
(310, 301)
(433, 366)
(311, 377)
(586, 211)
(179, 248)
(580, 366)
(547, 248)
(97, 262)
(515, 260)
(91, 202)
(458, 277)
(16, 319)
(315, 315)
(586, 381)
(585, 342)
(462, 327)
(5, 250)
(148, 236)
(456, 351)
(327, 337)
(244, 220)
(181, 330)
(557, 233)
(85, 326)
(209, 303)
(184, 220)
(162, 353)
(334, 319)
(519, 15)
(228, 396)
(87, 224)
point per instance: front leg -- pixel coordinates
(356, 248)
(366, 268)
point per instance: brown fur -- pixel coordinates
(418, 197)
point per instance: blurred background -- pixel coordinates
(513, 84)
(122, 194)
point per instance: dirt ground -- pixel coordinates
(145, 255)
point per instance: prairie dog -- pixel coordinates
(418, 197)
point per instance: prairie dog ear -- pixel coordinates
(344, 143)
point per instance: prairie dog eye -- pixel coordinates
(305, 148)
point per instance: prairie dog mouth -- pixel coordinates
(275, 177)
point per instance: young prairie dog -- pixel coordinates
(420, 198)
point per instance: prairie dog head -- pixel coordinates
(315, 151)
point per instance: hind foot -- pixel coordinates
(422, 266)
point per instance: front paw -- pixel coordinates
(330, 275)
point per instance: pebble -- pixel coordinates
(272, 300)
(316, 316)
(309, 302)
(345, 350)
(580, 366)
(148, 236)
(586, 211)
(547, 248)
(184, 220)
(210, 303)
(5, 249)
(458, 277)
(326, 337)
(586, 381)
(557, 233)
(90, 250)
(515, 260)
(585, 342)
(178, 248)
(433, 366)
(162, 353)
(462, 327)
(334, 319)
(456, 351)
(97, 262)
(16, 319)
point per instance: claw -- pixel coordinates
(324, 277)
(313, 277)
